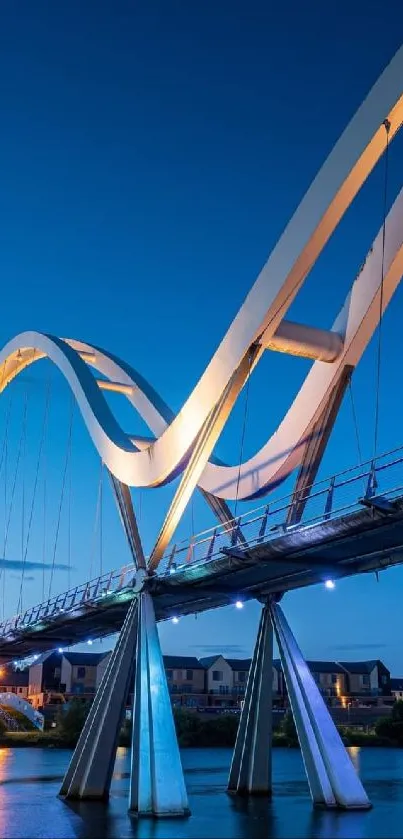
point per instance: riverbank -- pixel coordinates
(195, 730)
(205, 735)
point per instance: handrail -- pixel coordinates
(262, 524)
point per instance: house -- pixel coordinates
(396, 688)
(55, 677)
(226, 679)
(330, 677)
(240, 669)
(14, 681)
(79, 672)
(218, 679)
(44, 677)
(185, 677)
(367, 678)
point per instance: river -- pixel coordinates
(29, 806)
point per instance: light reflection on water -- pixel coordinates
(30, 780)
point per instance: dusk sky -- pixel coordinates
(152, 153)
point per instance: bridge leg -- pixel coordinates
(157, 786)
(331, 775)
(250, 772)
(91, 767)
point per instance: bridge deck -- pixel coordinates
(358, 542)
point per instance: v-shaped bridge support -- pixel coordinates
(157, 786)
(332, 779)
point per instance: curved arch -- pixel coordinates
(330, 194)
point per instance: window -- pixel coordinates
(189, 675)
(19, 690)
(80, 672)
(365, 680)
(384, 680)
(217, 675)
(169, 674)
(242, 676)
(334, 679)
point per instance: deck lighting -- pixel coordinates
(330, 584)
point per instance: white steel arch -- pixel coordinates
(153, 462)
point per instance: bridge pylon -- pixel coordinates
(250, 772)
(157, 786)
(332, 778)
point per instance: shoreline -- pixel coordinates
(38, 739)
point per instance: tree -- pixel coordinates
(69, 722)
(397, 711)
(391, 728)
(288, 729)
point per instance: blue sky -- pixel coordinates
(151, 155)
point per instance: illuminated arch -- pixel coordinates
(151, 463)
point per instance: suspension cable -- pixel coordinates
(66, 462)
(386, 123)
(44, 511)
(69, 516)
(355, 422)
(31, 513)
(24, 420)
(96, 521)
(7, 422)
(192, 515)
(101, 484)
(245, 416)
(3, 460)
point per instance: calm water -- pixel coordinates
(29, 807)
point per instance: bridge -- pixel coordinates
(343, 532)
(349, 524)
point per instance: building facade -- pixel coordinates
(367, 679)
(330, 677)
(80, 674)
(209, 682)
(185, 677)
(57, 677)
(396, 688)
(14, 681)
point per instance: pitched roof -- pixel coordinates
(396, 684)
(86, 659)
(207, 661)
(44, 657)
(359, 666)
(184, 661)
(239, 663)
(325, 667)
(14, 678)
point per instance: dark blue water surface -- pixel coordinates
(29, 806)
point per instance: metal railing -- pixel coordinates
(325, 500)
(74, 600)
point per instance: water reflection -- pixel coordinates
(29, 806)
(329, 824)
(354, 752)
(254, 818)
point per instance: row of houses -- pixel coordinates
(224, 679)
(213, 681)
